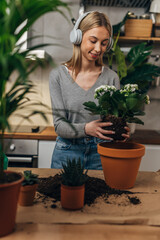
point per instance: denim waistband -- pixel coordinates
(84, 140)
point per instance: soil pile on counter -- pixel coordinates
(94, 188)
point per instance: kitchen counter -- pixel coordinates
(39, 221)
(140, 136)
(47, 134)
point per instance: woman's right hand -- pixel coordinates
(95, 129)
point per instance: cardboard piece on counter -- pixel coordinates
(118, 210)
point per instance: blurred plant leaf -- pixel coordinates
(121, 63)
(138, 54)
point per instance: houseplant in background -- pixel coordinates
(13, 15)
(28, 188)
(73, 184)
(133, 67)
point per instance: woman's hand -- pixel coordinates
(95, 129)
(127, 135)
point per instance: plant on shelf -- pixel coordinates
(16, 17)
(118, 106)
(28, 188)
(73, 184)
(132, 68)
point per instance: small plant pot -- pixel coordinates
(9, 193)
(27, 194)
(120, 163)
(72, 198)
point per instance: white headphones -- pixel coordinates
(76, 34)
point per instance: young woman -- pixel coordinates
(73, 83)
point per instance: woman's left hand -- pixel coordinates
(126, 135)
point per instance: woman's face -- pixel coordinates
(94, 43)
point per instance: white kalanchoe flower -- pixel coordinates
(147, 101)
(103, 89)
(129, 88)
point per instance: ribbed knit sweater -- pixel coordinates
(67, 99)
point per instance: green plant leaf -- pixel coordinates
(138, 54)
(121, 63)
(142, 76)
(92, 107)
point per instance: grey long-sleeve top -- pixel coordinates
(67, 99)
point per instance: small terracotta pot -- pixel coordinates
(120, 163)
(72, 198)
(9, 193)
(27, 194)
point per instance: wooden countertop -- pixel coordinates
(47, 134)
(140, 136)
(102, 231)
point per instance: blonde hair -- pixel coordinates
(92, 20)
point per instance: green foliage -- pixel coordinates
(29, 178)
(126, 103)
(121, 63)
(73, 173)
(133, 67)
(14, 13)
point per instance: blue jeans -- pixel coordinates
(83, 148)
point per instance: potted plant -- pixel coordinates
(118, 106)
(28, 188)
(73, 184)
(132, 68)
(120, 161)
(13, 15)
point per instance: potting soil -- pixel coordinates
(94, 188)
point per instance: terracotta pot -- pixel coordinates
(9, 193)
(27, 194)
(120, 163)
(72, 198)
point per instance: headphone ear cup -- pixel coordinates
(73, 36)
(110, 44)
(76, 36)
(79, 37)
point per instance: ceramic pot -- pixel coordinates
(120, 163)
(27, 194)
(9, 193)
(72, 198)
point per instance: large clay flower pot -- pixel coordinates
(120, 163)
(27, 194)
(9, 193)
(72, 198)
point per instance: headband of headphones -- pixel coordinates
(80, 19)
(76, 34)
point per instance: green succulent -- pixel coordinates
(29, 178)
(73, 173)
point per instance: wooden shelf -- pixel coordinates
(157, 39)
